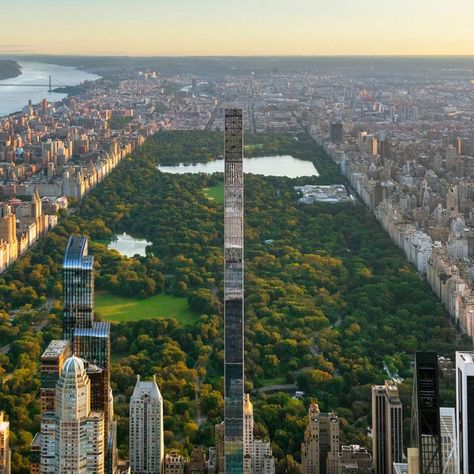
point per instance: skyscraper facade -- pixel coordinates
(426, 433)
(320, 449)
(5, 452)
(73, 438)
(233, 294)
(465, 410)
(449, 445)
(146, 429)
(258, 454)
(78, 286)
(93, 345)
(248, 425)
(52, 362)
(387, 427)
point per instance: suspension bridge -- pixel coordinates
(50, 85)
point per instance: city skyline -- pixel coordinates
(278, 28)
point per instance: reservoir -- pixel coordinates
(279, 165)
(13, 99)
(129, 246)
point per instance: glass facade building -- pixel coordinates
(233, 294)
(78, 287)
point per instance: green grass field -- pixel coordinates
(117, 308)
(255, 146)
(215, 193)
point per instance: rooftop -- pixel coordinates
(76, 254)
(55, 349)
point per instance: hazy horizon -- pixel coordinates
(186, 28)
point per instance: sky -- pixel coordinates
(237, 27)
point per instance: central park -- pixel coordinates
(331, 304)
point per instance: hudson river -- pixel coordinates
(13, 99)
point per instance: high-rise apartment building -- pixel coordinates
(72, 438)
(336, 133)
(449, 445)
(146, 429)
(355, 460)
(90, 340)
(320, 450)
(465, 410)
(263, 461)
(233, 294)
(258, 454)
(248, 425)
(387, 427)
(52, 362)
(93, 345)
(5, 452)
(78, 287)
(426, 432)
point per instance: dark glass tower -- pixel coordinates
(426, 431)
(233, 293)
(78, 287)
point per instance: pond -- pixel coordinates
(279, 165)
(129, 246)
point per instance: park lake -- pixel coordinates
(279, 165)
(129, 246)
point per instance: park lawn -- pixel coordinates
(254, 146)
(118, 308)
(274, 381)
(215, 193)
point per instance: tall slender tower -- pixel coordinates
(233, 294)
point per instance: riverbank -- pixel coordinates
(9, 69)
(32, 85)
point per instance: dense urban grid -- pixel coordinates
(402, 137)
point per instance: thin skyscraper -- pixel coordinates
(234, 293)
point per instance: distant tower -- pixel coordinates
(387, 427)
(426, 433)
(78, 287)
(320, 449)
(336, 133)
(73, 438)
(233, 294)
(5, 452)
(146, 429)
